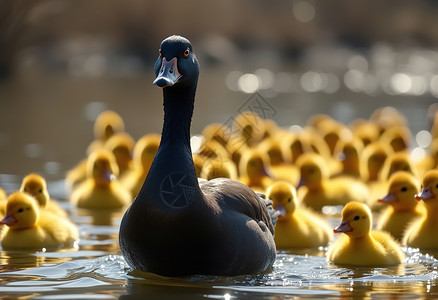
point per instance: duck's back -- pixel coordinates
(228, 233)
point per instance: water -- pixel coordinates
(97, 270)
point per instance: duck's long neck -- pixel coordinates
(178, 111)
(173, 164)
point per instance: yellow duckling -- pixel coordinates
(422, 233)
(398, 137)
(215, 168)
(250, 127)
(373, 159)
(317, 190)
(398, 161)
(218, 132)
(297, 226)
(281, 170)
(367, 131)
(253, 170)
(386, 117)
(122, 146)
(30, 228)
(403, 208)
(360, 246)
(3, 198)
(101, 190)
(36, 186)
(106, 125)
(349, 152)
(144, 153)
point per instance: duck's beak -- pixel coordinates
(390, 197)
(343, 227)
(425, 194)
(8, 220)
(168, 74)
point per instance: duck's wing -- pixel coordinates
(231, 194)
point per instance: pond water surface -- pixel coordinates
(96, 270)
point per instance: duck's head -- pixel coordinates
(403, 187)
(36, 186)
(429, 191)
(102, 167)
(284, 197)
(21, 211)
(356, 220)
(177, 64)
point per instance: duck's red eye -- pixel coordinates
(159, 52)
(187, 52)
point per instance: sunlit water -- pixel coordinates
(96, 270)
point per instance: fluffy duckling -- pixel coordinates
(101, 190)
(386, 117)
(398, 161)
(403, 208)
(30, 228)
(144, 153)
(280, 169)
(373, 159)
(106, 125)
(218, 132)
(253, 170)
(398, 137)
(297, 226)
(422, 232)
(36, 186)
(360, 246)
(367, 131)
(250, 127)
(215, 168)
(317, 190)
(122, 146)
(3, 198)
(349, 152)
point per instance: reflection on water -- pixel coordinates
(97, 271)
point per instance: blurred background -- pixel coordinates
(62, 62)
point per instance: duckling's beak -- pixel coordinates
(8, 220)
(343, 227)
(425, 194)
(168, 74)
(281, 209)
(390, 197)
(108, 176)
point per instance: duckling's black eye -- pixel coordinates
(20, 210)
(289, 200)
(356, 218)
(404, 189)
(436, 186)
(187, 52)
(40, 191)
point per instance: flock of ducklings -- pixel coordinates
(365, 167)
